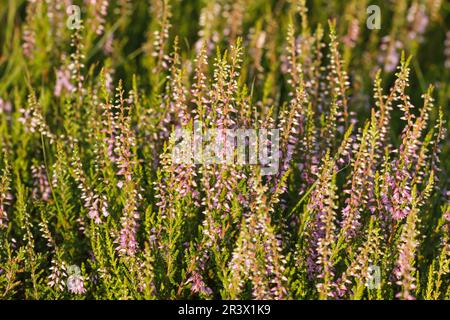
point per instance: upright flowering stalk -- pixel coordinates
(58, 275)
(5, 195)
(291, 122)
(403, 173)
(33, 118)
(360, 190)
(439, 137)
(258, 38)
(440, 267)
(173, 109)
(384, 108)
(58, 267)
(225, 86)
(384, 104)
(210, 18)
(322, 236)
(412, 147)
(108, 126)
(389, 56)
(125, 145)
(26, 226)
(177, 199)
(177, 103)
(76, 67)
(337, 77)
(405, 177)
(62, 187)
(99, 9)
(94, 203)
(220, 192)
(418, 20)
(63, 82)
(353, 32)
(310, 53)
(57, 17)
(367, 254)
(199, 89)
(309, 151)
(405, 270)
(292, 65)
(160, 10)
(28, 32)
(257, 256)
(41, 185)
(234, 20)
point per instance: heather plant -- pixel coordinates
(94, 204)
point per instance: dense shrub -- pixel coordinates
(92, 205)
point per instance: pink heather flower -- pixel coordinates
(97, 206)
(95, 203)
(33, 119)
(404, 269)
(389, 55)
(58, 272)
(396, 195)
(75, 284)
(198, 286)
(126, 163)
(5, 197)
(418, 21)
(447, 213)
(352, 34)
(291, 126)
(41, 187)
(127, 242)
(29, 42)
(5, 106)
(100, 8)
(108, 46)
(447, 216)
(63, 82)
(323, 234)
